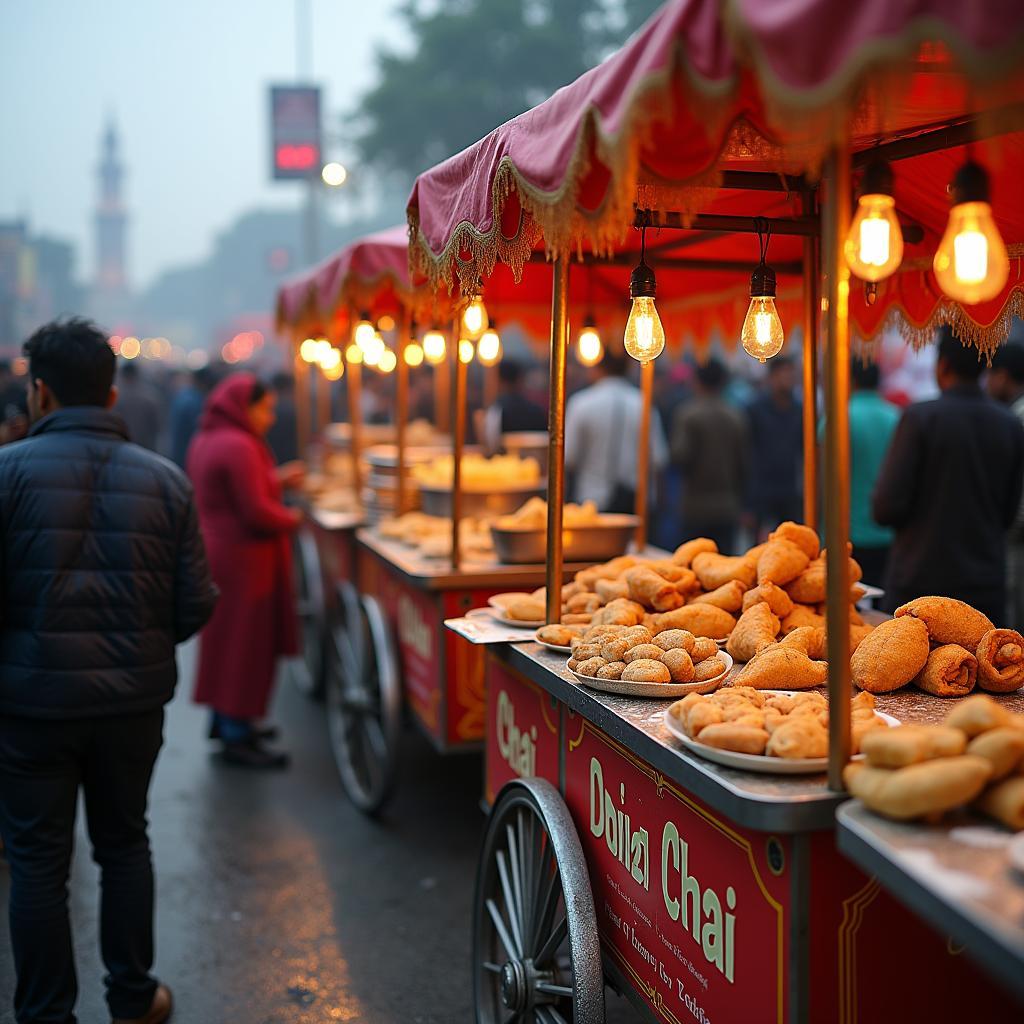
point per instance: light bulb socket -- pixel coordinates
(970, 184)
(877, 179)
(642, 282)
(762, 281)
(364, 314)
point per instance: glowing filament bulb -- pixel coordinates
(434, 347)
(644, 337)
(474, 319)
(488, 348)
(874, 245)
(589, 350)
(762, 336)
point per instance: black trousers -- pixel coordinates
(43, 764)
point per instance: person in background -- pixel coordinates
(283, 436)
(872, 424)
(950, 487)
(247, 531)
(186, 408)
(711, 447)
(775, 419)
(1005, 384)
(139, 407)
(104, 572)
(512, 411)
(602, 423)
(13, 408)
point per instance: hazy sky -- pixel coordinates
(186, 81)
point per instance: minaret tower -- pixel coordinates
(111, 219)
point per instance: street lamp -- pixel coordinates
(334, 174)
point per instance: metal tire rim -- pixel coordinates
(308, 672)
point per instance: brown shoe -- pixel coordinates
(159, 1010)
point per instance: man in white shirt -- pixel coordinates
(602, 428)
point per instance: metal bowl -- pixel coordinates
(437, 501)
(598, 543)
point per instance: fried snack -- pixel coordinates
(614, 648)
(581, 652)
(688, 584)
(570, 590)
(756, 629)
(526, 610)
(589, 666)
(699, 619)
(703, 648)
(557, 634)
(708, 669)
(950, 671)
(977, 714)
(700, 715)
(863, 701)
(858, 634)
(577, 619)
(646, 587)
(676, 639)
(782, 668)
(612, 670)
(680, 667)
(783, 703)
(924, 790)
(668, 570)
(809, 639)
(909, 744)
(1000, 655)
(729, 596)
(861, 727)
(796, 533)
(949, 621)
(891, 656)
(801, 615)
(744, 739)
(1005, 802)
(801, 736)
(748, 693)
(809, 586)
(583, 602)
(772, 595)
(685, 553)
(648, 651)
(781, 562)
(856, 593)
(646, 671)
(609, 590)
(601, 632)
(713, 569)
(620, 612)
(1003, 747)
(572, 664)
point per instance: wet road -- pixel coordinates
(279, 904)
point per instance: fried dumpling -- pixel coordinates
(700, 619)
(756, 629)
(809, 586)
(782, 668)
(713, 569)
(781, 562)
(949, 621)
(1000, 655)
(685, 553)
(801, 615)
(891, 655)
(648, 588)
(728, 596)
(773, 595)
(950, 671)
(796, 533)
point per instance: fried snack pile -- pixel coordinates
(431, 536)
(792, 727)
(638, 654)
(478, 473)
(534, 516)
(924, 771)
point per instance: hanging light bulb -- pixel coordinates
(335, 372)
(465, 351)
(970, 263)
(762, 335)
(386, 323)
(323, 350)
(413, 354)
(330, 360)
(589, 350)
(364, 331)
(388, 361)
(874, 244)
(488, 348)
(353, 354)
(373, 350)
(434, 347)
(309, 351)
(645, 337)
(474, 318)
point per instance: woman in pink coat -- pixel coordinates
(246, 529)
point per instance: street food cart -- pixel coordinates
(708, 893)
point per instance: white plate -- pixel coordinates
(553, 647)
(624, 688)
(501, 601)
(761, 763)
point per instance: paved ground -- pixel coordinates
(279, 904)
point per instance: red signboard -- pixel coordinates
(296, 145)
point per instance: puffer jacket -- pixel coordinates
(103, 570)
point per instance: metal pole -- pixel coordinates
(490, 386)
(643, 455)
(812, 313)
(354, 375)
(556, 435)
(311, 218)
(458, 419)
(837, 460)
(323, 402)
(402, 409)
(302, 402)
(443, 382)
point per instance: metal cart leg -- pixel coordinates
(308, 672)
(364, 700)
(536, 954)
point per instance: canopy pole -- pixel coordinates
(643, 455)
(556, 434)
(354, 375)
(837, 461)
(490, 385)
(401, 408)
(443, 381)
(323, 402)
(302, 402)
(458, 421)
(812, 312)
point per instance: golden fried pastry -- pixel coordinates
(649, 651)
(863, 700)
(924, 790)
(950, 671)
(645, 670)
(1005, 802)
(592, 633)
(1004, 747)
(583, 602)
(756, 629)
(977, 714)
(861, 727)
(709, 668)
(713, 569)
(784, 703)
(620, 612)
(668, 570)
(801, 615)
(612, 670)
(949, 621)
(858, 634)
(799, 737)
(577, 619)
(609, 590)
(680, 667)
(891, 656)
(772, 595)
(699, 619)
(742, 711)
(614, 648)
(526, 610)
(744, 739)
(809, 639)
(558, 635)
(729, 596)
(782, 668)
(584, 651)
(809, 586)
(781, 562)
(589, 666)
(676, 639)
(688, 585)
(571, 590)
(908, 744)
(796, 533)
(682, 707)
(703, 648)
(647, 588)
(685, 553)
(700, 715)
(572, 664)
(1000, 654)
(749, 694)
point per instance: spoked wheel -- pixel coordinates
(364, 700)
(536, 953)
(308, 672)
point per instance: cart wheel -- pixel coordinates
(308, 671)
(536, 954)
(364, 700)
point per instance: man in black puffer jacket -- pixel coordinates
(103, 573)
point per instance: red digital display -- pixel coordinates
(296, 157)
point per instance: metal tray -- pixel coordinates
(437, 501)
(598, 543)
